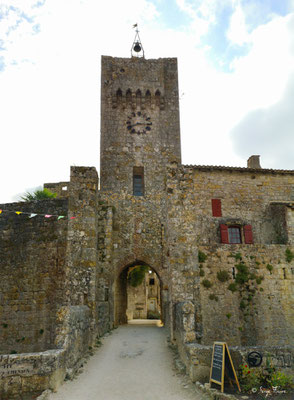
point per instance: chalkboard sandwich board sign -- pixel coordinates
(221, 365)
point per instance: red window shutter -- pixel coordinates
(248, 234)
(216, 207)
(224, 233)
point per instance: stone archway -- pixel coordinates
(121, 289)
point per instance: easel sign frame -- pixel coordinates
(221, 361)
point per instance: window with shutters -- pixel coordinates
(138, 181)
(236, 234)
(216, 205)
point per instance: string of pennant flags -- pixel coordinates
(32, 215)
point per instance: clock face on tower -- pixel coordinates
(138, 122)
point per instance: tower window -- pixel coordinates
(138, 181)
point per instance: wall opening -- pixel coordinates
(138, 181)
(137, 294)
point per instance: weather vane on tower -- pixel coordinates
(137, 48)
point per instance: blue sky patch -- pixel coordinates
(170, 14)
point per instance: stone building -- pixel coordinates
(220, 241)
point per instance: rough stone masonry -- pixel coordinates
(220, 239)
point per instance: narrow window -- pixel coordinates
(138, 181)
(233, 272)
(151, 281)
(138, 98)
(148, 99)
(216, 207)
(106, 294)
(129, 97)
(119, 97)
(157, 98)
(234, 234)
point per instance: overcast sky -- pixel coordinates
(236, 77)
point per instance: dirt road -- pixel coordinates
(134, 363)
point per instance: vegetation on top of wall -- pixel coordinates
(289, 255)
(201, 256)
(137, 275)
(43, 194)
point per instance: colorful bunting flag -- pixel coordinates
(32, 215)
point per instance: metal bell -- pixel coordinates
(137, 47)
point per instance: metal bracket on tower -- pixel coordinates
(137, 47)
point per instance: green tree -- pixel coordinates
(137, 275)
(39, 194)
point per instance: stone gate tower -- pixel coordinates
(140, 131)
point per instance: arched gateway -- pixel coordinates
(138, 293)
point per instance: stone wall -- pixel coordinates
(31, 373)
(32, 274)
(258, 311)
(61, 189)
(241, 293)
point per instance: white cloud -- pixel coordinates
(269, 132)
(238, 32)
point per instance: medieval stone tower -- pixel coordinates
(140, 131)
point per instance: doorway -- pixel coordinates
(137, 294)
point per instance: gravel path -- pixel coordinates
(134, 363)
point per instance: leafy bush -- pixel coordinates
(202, 273)
(201, 256)
(213, 297)
(38, 195)
(283, 381)
(259, 279)
(137, 275)
(269, 267)
(242, 275)
(206, 283)
(223, 276)
(232, 287)
(153, 315)
(254, 379)
(289, 255)
(242, 304)
(250, 378)
(238, 256)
